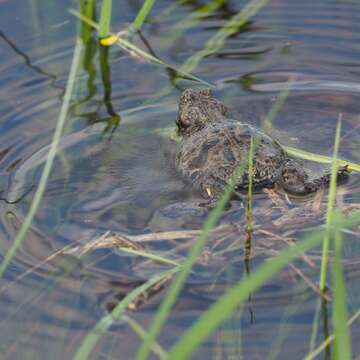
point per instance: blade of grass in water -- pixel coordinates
(149, 256)
(105, 18)
(330, 208)
(49, 161)
(87, 7)
(249, 214)
(94, 336)
(223, 308)
(134, 50)
(342, 343)
(142, 14)
(306, 155)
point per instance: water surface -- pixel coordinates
(115, 172)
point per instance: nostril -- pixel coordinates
(183, 122)
(186, 122)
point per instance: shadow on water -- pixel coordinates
(115, 172)
(29, 64)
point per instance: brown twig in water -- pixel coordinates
(287, 240)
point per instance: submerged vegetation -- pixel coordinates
(176, 273)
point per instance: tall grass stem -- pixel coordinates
(342, 343)
(330, 208)
(142, 14)
(50, 158)
(105, 18)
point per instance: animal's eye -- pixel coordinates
(206, 92)
(188, 96)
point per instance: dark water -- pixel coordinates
(120, 178)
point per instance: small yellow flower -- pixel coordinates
(108, 41)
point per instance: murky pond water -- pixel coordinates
(115, 172)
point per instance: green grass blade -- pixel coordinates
(142, 14)
(105, 18)
(249, 212)
(126, 45)
(342, 346)
(150, 256)
(50, 159)
(306, 155)
(330, 208)
(103, 325)
(87, 8)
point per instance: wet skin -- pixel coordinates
(212, 146)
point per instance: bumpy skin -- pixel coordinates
(213, 146)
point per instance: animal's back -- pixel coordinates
(216, 150)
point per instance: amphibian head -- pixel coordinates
(198, 108)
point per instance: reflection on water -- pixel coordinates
(114, 171)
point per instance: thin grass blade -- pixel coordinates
(150, 256)
(142, 14)
(342, 343)
(249, 212)
(330, 208)
(50, 159)
(105, 18)
(306, 155)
